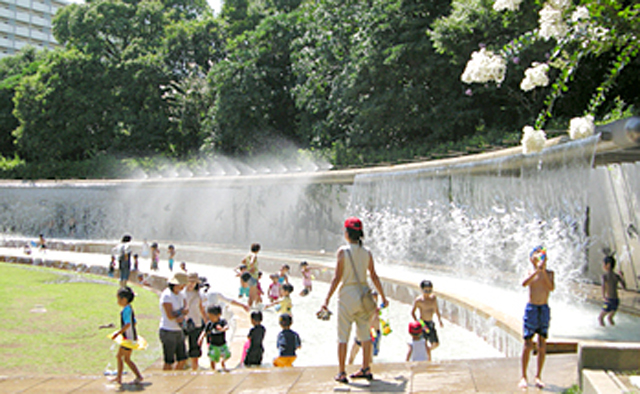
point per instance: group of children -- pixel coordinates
(279, 292)
(279, 296)
(424, 337)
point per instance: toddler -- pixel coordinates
(418, 348)
(274, 288)
(255, 337)
(288, 343)
(284, 305)
(215, 332)
(305, 270)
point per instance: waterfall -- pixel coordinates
(481, 220)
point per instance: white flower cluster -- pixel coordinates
(532, 140)
(581, 127)
(484, 66)
(511, 5)
(580, 14)
(551, 22)
(535, 76)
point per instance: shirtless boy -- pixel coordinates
(536, 314)
(610, 282)
(427, 304)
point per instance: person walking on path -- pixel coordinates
(540, 282)
(353, 262)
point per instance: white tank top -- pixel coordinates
(360, 256)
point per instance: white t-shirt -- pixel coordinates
(215, 298)
(193, 303)
(419, 350)
(177, 302)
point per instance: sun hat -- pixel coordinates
(179, 278)
(193, 277)
(353, 223)
(415, 328)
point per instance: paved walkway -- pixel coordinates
(468, 376)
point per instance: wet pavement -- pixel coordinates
(468, 376)
(472, 376)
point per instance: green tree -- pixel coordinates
(12, 70)
(254, 106)
(56, 109)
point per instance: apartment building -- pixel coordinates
(27, 22)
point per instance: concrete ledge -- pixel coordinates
(610, 356)
(598, 382)
(595, 359)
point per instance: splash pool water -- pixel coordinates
(319, 338)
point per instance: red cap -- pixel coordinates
(353, 223)
(415, 328)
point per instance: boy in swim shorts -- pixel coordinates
(427, 304)
(540, 282)
(610, 282)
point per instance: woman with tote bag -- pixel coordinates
(353, 262)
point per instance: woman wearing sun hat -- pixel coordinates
(173, 307)
(195, 317)
(353, 263)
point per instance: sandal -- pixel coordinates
(341, 377)
(362, 374)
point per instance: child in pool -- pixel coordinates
(274, 288)
(288, 343)
(283, 274)
(427, 304)
(215, 331)
(128, 330)
(284, 305)
(255, 337)
(610, 282)
(244, 285)
(305, 270)
(260, 291)
(418, 348)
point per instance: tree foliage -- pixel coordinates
(358, 81)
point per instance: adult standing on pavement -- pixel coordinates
(195, 317)
(173, 307)
(353, 263)
(123, 254)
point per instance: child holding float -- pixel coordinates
(129, 338)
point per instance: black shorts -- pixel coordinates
(430, 334)
(173, 346)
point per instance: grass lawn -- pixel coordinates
(49, 322)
